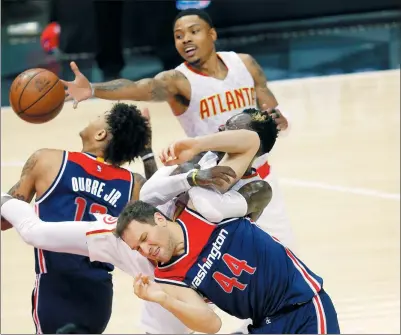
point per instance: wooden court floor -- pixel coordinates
(339, 170)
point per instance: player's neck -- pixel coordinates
(178, 238)
(213, 66)
(92, 150)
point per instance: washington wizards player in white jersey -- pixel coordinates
(203, 92)
(71, 291)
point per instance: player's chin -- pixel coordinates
(162, 258)
(194, 60)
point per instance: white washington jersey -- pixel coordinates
(214, 101)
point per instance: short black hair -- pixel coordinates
(130, 134)
(193, 11)
(265, 126)
(137, 210)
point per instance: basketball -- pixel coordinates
(37, 95)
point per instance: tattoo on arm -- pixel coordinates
(114, 85)
(261, 80)
(14, 192)
(156, 89)
(26, 170)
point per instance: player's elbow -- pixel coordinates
(211, 324)
(215, 324)
(31, 234)
(5, 225)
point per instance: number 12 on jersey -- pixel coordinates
(94, 208)
(236, 266)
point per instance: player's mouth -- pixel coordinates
(190, 51)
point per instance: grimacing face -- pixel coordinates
(194, 38)
(151, 241)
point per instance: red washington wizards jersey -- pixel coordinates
(239, 267)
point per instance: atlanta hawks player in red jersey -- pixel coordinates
(203, 92)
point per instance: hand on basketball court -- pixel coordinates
(78, 90)
(281, 121)
(147, 289)
(179, 152)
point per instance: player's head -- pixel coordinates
(256, 120)
(194, 35)
(144, 228)
(119, 135)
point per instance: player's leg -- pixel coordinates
(317, 316)
(325, 315)
(69, 299)
(67, 236)
(274, 219)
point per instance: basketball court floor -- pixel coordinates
(339, 170)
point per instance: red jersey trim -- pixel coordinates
(191, 68)
(99, 169)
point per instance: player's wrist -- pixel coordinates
(191, 177)
(147, 154)
(92, 89)
(163, 300)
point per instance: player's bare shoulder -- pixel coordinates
(47, 164)
(253, 67)
(48, 157)
(42, 158)
(175, 80)
(179, 89)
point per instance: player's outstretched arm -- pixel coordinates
(53, 236)
(183, 302)
(160, 88)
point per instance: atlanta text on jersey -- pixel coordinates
(226, 102)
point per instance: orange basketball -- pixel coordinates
(37, 95)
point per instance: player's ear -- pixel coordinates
(160, 219)
(213, 34)
(101, 135)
